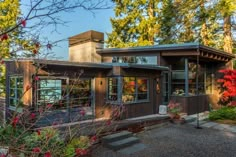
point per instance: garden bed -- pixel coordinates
(227, 121)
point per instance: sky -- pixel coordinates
(78, 21)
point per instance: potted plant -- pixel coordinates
(174, 110)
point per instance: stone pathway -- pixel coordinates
(192, 119)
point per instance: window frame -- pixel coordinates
(16, 94)
(120, 90)
(67, 90)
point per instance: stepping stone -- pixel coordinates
(132, 149)
(189, 119)
(200, 122)
(221, 126)
(122, 143)
(115, 137)
(232, 129)
(209, 124)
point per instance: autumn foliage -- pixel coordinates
(228, 87)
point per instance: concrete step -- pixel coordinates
(189, 119)
(132, 149)
(115, 137)
(122, 143)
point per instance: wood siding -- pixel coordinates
(192, 104)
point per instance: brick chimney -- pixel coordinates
(82, 47)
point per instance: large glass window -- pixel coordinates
(16, 90)
(50, 91)
(59, 93)
(133, 89)
(204, 79)
(80, 93)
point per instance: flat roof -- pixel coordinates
(76, 64)
(92, 65)
(166, 47)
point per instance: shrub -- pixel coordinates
(77, 146)
(224, 113)
(228, 86)
(44, 141)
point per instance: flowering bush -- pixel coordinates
(174, 109)
(46, 141)
(228, 86)
(79, 146)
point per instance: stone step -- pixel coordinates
(122, 143)
(132, 149)
(115, 137)
(189, 119)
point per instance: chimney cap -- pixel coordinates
(88, 36)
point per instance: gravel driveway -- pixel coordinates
(180, 141)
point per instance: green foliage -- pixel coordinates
(225, 113)
(134, 24)
(83, 142)
(148, 22)
(10, 134)
(48, 140)
(9, 14)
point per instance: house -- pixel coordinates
(96, 80)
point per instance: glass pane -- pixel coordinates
(112, 89)
(80, 93)
(16, 90)
(142, 89)
(50, 91)
(129, 84)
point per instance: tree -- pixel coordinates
(173, 21)
(135, 23)
(227, 11)
(167, 20)
(9, 14)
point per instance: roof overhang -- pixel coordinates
(185, 49)
(73, 64)
(141, 66)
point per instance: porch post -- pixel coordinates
(68, 99)
(197, 73)
(186, 77)
(120, 87)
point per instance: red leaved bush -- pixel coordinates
(228, 86)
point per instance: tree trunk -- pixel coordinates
(228, 41)
(151, 14)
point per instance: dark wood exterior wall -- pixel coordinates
(28, 70)
(143, 108)
(192, 104)
(217, 59)
(24, 69)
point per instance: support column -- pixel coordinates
(197, 75)
(120, 88)
(186, 77)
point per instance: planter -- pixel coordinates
(178, 121)
(174, 116)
